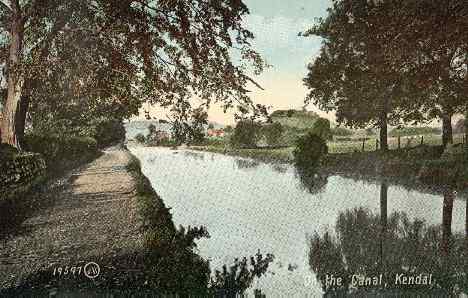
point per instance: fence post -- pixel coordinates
(422, 140)
(399, 142)
(363, 142)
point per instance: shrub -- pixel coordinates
(309, 150)
(322, 129)
(61, 152)
(109, 132)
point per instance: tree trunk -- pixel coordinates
(383, 133)
(447, 221)
(447, 134)
(21, 120)
(15, 80)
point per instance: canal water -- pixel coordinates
(248, 206)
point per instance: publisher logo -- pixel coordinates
(91, 270)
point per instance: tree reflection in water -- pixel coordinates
(368, 245)
(242, 163)
(310, 179)
(194, 155)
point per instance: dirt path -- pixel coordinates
(92, 217)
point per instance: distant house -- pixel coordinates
(215, 133)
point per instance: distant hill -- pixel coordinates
(295, 119)
(294, 122)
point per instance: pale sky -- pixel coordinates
(276, 24)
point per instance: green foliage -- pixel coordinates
(82, 59)
(60, 151)
(381, 62)
(190, 129)
(322, 129)
(414, 131)
(309, 151)
(239, 277)
(246, 134)
(272, 133)
(109, 132)
(7, 152)
(140, 138)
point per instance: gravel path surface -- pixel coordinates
(92, 217)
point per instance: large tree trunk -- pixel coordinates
(447, 134)
(15, 80)
(383, 132)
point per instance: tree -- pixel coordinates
(272, 133)
(360, 72)
(441, 47)
(246, 134)
(157, 51)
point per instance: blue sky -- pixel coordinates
(276, 24)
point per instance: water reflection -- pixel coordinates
(311, 180)
(246, 163)
(279, 168)
(385, 253)
(194, 155)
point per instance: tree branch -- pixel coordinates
(4, 4)
(253, 82)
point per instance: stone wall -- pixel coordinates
(19, 174)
